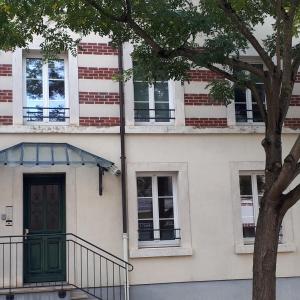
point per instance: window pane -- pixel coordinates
(254, 77)
(241, 113)
(245, 185)
(166, 208)
(34, 113)
(247, 210)
(34, 68)
(146, 230)
(34, 90)
(239, 95)
(141, 91)
(144, 186)
(260, 179)
(141, 111)
(256, 113)
(56, 90)
(57, 114)
(161, 92)
(248, 218)
(145, 209)
(167, 231)
(162, 112)
(56, 69)
(249, 231)
(165, 187)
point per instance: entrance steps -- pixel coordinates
(80, 295)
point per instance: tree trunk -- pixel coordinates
(265, 253)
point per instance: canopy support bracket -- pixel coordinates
(101, 173)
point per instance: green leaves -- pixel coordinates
(221, 91)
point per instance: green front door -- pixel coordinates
(44, 217)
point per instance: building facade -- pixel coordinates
(194, 176)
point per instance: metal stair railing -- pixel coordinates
(87, 267)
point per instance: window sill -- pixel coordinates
(249, 249)
(160, 251)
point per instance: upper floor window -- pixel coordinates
(45, 91)
(152, 102)
(157, 214)
(246, 107)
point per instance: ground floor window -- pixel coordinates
(251, 192)
(157, 210)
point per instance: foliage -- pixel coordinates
(172, 36)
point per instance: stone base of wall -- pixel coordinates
(38, 296)
(287, 289)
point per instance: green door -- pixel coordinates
(44, 214)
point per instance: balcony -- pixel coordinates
(162, 235)
(46, 115)
(154, 115)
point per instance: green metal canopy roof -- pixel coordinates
(50, 154)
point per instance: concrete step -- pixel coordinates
(79, 295)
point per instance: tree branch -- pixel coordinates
(101, 10)
(244, 30)
(289, 169)
(289, 199)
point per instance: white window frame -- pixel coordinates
(151, 102)
(45, 79)
(155, 208)
(231, 113)
(18, 90)
(246, 167)
(249, 108)
(176, 88)
(183, 207)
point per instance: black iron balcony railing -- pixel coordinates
(249, 231)
(157, 115)
(248, 116)
(87, 267)
(42, 114)
(166, 234)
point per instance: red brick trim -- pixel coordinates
(293, 123)
(98, 98)
(199, 99)
(5, 70)
(6, 120)
(295, 100)
(99, 121)
(203, 75)
(97, 49)
(96, 73)
(206, 122)
(6, 95)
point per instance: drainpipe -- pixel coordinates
(123, 169)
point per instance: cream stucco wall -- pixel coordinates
(211, 215)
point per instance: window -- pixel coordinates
(157, 213)
(152, 103)
(45, 91)
(251, 192)
(246, 108)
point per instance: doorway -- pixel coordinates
(45, 228)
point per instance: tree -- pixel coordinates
(170, 37)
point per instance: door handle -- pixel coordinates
(26, 232)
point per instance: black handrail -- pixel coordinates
(37, 113)
(88, 267)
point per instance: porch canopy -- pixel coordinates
(51, 154)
